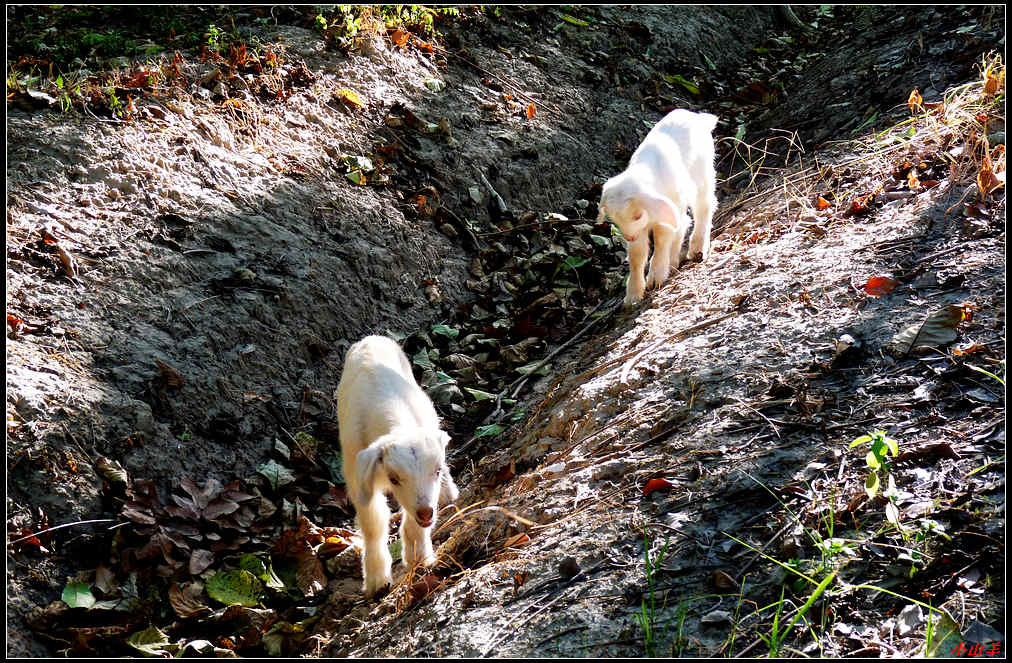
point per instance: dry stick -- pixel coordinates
(636, 356)
(768, 420)
(560, 634)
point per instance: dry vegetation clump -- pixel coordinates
(948, 145)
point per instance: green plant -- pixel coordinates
(647, 615)
(1001, 368)
(881, 446)
(215, 37)
(776, 637)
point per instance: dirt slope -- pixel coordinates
(223, 261)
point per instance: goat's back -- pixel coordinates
(378, 393)
(676, 157)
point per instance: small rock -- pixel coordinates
(569, 567)
(716, 617)
(448, 230)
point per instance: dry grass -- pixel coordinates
(955, 130)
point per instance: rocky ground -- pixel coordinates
(186, 270)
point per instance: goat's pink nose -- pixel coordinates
(424, 514)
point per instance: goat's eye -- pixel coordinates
(436, 473)
(394, 480)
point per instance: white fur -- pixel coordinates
(390, 432)
(671, 170)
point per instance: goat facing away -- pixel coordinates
(391, 441)
(670, 170)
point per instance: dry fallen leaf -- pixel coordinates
(173, 378)
(912, 181)
(531, 111)
(656, 484)
(880, 285)
(938, 329)
(914, 101)
(349, 97)
(424, 586)
(994, 80)
(821, 203)
(399, 37)
(520, 539)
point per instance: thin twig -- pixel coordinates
(52, 529)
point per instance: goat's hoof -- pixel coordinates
(375, 590)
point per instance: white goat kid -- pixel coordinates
(671, 169)
(391, 441)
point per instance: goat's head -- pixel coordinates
(621, 202)
(411, 464)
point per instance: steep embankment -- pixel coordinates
(183, 287)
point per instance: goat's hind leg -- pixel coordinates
(702, 214)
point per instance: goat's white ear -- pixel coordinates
(368, 461)
(444, 439)
(602, 214)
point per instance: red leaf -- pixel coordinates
(656, 484)
(517, 540)
(821, 203)
(880, 285)
(914, 101)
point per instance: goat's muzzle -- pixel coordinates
(424, 516)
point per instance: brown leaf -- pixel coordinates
(200, 560)
(220, 507)
(912, 181)
(111, 470)
(821, 203)
(723, 581)
(425, 586)
(973, 347)
(336, 497)
(173, 378)
(399, 37)
(931, 452)
(994, 80)
(503, 475)
(185, 600)
(332, 545)
(531, 111)
(309, 574)
(201, 496)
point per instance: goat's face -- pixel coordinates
(625, 212)
(412, 467)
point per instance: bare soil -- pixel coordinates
(182, 286)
